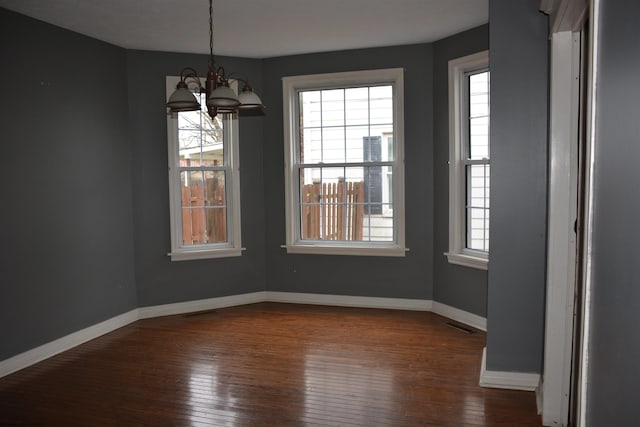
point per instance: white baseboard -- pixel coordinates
(38, 354)
(52, 348)
(461, 316)
(350, 301)
(508, 380)
(200, 305)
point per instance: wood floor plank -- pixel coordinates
(269, 364)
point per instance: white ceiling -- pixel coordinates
(259, 28)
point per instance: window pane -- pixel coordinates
(203, 207)
(332, 204)
(381, 104)
(355, 135)
(478, 229)
(333, 107)
(200, 139)
(333, 145)
(216, 225)
(189, 148)
(479, 138)
(478, 207)
(357, 106)
(189, 120)
(385, 134)
(478, 115)
(310, 109)
(310, 207)
(213, 147)
(311, 145)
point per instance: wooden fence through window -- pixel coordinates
(333, 211)
(204, 213)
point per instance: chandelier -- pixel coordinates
(220, 99)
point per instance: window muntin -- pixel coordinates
(342, 163)
(203, 178)
(469, 164)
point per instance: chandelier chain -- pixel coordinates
(211, 61)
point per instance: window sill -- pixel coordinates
(187, 255)
(466, 260)
(327, 249)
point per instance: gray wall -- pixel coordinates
(516, 282)
(66, 220)
(615, 342)
(406, 277)
(159, 280)
(461, 287)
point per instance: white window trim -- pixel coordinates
(290, 87)
(458, 253)
(233, 247)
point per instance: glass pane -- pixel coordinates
(381, 104)
(200, 139)
(333, 145)
(385, 134)
(216, 225)
(213, 147)
(333, 107)
(355, 137)
(310, 198)
(332, 205)
(387, 187)
(357, 106)
(192, 189)
(192, 226)
(478, 229)
(478, 207)
(478, 186)
(373, 180)
(189, 147)
(479, 138)
(311, 145)
(214, 188)
(203, 207)
(310, 109)
(479, 115)
(216, 211)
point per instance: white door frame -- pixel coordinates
(561, 240)
(566, 20)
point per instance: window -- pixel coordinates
(469, 161)
(203, 183)
(344, 163)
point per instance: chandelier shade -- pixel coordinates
(249, 99)
(220, 98)
(182, 99)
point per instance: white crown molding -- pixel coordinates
(507, 380)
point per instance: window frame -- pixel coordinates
(458, 252)
(233, 246)
(291, 86)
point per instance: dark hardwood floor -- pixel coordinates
(269, 365)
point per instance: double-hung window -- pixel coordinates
(203, 183)
(344, 163)
(469, 161)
